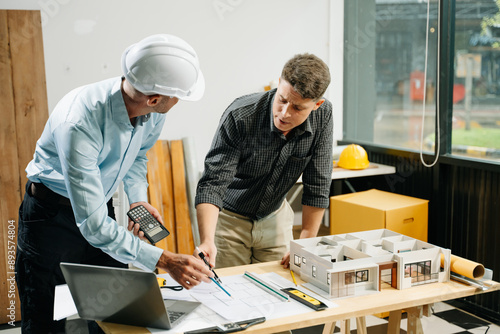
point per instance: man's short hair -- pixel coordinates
(308, 75)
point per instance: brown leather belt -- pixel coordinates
(41, 192)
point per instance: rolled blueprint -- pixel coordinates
(465, 267)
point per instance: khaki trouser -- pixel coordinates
(241, 240)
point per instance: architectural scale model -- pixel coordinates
(359, 263)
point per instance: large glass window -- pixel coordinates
(390, 71)
(384, 64)
(476, 89)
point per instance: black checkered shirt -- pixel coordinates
(251, 165)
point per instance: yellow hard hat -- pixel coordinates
(353, 157)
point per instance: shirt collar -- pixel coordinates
(118, 108)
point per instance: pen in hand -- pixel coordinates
(202, 256)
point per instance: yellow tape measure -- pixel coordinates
(161, 281)
(305, 299)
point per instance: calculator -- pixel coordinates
(153, 230)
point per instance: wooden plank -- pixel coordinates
(157, 189)
(152, 175)
(184, 233)
(9, 180)
(153, 188)
(168, 193)
(164, 195)
(28, 80)
(23, 97)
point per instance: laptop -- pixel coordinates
(122, 296)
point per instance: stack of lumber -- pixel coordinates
(168, 193)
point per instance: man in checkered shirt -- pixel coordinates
(263, 143)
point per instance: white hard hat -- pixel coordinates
(166, 65)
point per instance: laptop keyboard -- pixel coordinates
(173, 315)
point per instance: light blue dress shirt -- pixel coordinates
(87, 148)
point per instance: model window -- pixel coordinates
(361, 276)
(296, 260)
(304, 260)
(421, 276)
(427, 270)
(313, 271)
(407, 270)
(419, 271)
(414, 272)
(349, 278)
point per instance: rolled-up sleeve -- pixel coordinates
(220, 164)
(317, 176)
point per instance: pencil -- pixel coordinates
(293, 277)
(220, 286)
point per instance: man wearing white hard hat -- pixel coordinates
(96, 137)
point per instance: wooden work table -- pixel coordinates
(415, 301)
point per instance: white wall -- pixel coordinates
(242, 45)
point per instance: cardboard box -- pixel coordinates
(375, 209)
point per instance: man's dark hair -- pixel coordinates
(308, 75)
